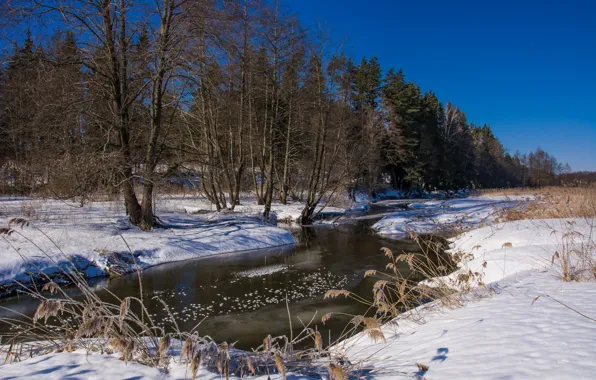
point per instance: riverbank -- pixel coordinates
(523, 321)
(448, 216)
(98, 240)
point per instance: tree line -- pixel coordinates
(233, 95)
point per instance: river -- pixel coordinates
(242, 296)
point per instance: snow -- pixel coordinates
(262, 271)
(94, 235)
(437, 216)
(288, 213)
(512, 247)
(520, 330)
(501, 337)
(528, 326)
(80, 365)
(77, 365)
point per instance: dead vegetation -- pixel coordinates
(575, 257)
(550, 203)
(397, 295)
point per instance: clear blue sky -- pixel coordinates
(528, 68)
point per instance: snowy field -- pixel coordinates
(505, 249)
(501, 337)
(98, 236)
(80, 365)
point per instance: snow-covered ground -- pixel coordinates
(501, 337)
(504, 249)
(98, 236)
(437, 216)
(248, 205)
(80, 365)
(510, 334)
(528, 326)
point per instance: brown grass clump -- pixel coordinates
(223, 360)
(267, 343)
(421, 367)
(124, 307)
(50, 287)
(336, 372)
(397, 295)
(164, 345)
(123, 345)
(576, 253)
(318, 341)
(334, 293)
(48, 308)
(279, 363)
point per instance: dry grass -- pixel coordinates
(551, 203)
(575, 257)
(395, 294)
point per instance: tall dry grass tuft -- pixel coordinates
(575, 258)
(279, 364)
(396, 294)
(318, 341)
(164, 346)
(46, 309)
(223, 360)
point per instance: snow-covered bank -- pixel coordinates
(97, 237)
(439, 216)
(527, 326)
(288, 213)
(505, 249)
(511, 333)
(81, 365)
(78, 365)
(501, 337)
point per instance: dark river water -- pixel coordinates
(242, 296)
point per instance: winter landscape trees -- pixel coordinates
(235, 96)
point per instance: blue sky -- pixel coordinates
(528, 68)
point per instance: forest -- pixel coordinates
(227, 96)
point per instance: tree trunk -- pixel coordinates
(284, 181)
